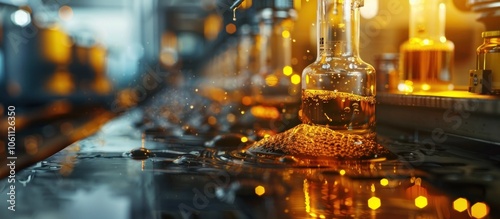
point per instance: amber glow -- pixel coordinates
(295, 79)
(246, 4)
(307, 197)
(244, 139)
(260, 190)
(342, 172)
(285, 34)
(231, 118)
(406, 87)
(426, 87)
(384, 182)
(479, 210)
(230, 28)
(421, 202)
(265, 112)
(460, 205)
(61, 82)
(271, 80)
(287, 70)
(213, 24)
(55, 46)
(212, 120)
(374, 203)
(246, 100)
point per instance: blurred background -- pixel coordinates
(87, 60)
(96, 51)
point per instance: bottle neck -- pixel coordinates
(427, 20)
(338, 28)
(276, 44)
(492, 40)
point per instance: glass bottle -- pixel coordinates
(426, 58)
(488, 56)
(338, 89)
(276, 83)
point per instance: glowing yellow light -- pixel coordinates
(313, 214)
(372, 187)
(426, 87)
(267, 135)
(342, 172)
(271, 80)
(374, 203)
(322, 216)
(479, 210)
(421, 201)
(260, 190)
(307, 79)
(244, 139)
(295, 79)
(287, 70)
(285, 34)
(460, 204)
(384, 182)
(265, 112)
(406, 87)
(442, 39)
(426, 42)
(307, 198)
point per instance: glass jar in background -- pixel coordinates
(426, 59)
(488, 57)
(386, 65)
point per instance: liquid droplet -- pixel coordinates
(355, 105)
(347, 109)
(356, 111)
(140, 153)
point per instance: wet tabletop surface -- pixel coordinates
(132, 169)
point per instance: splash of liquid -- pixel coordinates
(318, 141)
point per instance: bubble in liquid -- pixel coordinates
(318, 141)
(347, 109)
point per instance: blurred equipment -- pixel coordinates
(427, 57)
(485, 79)
(386, 66)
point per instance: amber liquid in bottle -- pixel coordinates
(338, 110)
